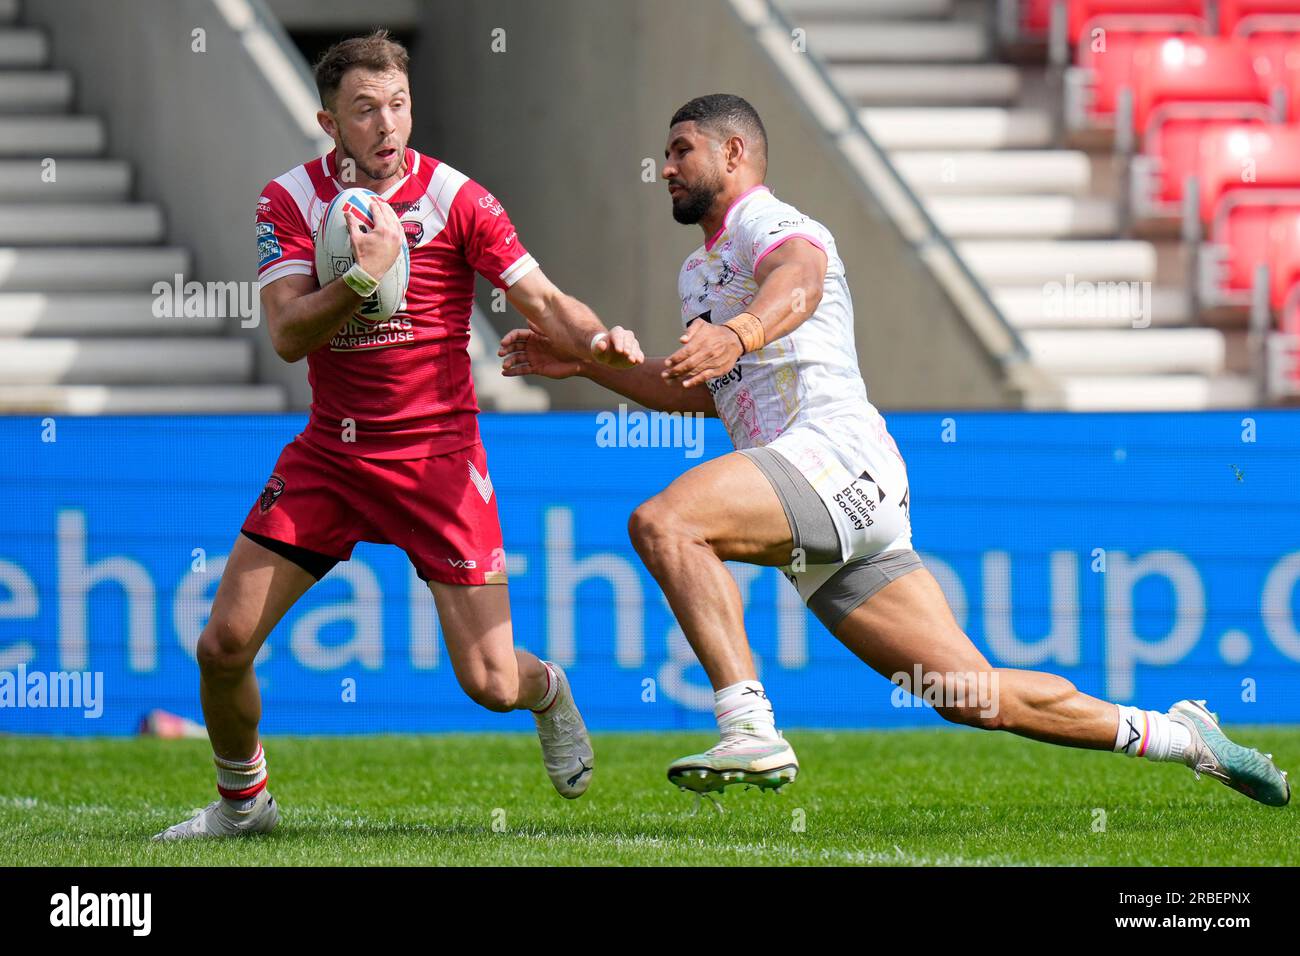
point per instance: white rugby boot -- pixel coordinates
(738, 758)
(218, 819)
(1244, 769)
(566, 748)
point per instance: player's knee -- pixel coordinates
(654, 531)
(225, 650)
(972, 700)
(492, 690)
(972, 715)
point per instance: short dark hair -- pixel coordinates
(726, 114)
(375, 51)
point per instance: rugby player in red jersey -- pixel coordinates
(391, 452)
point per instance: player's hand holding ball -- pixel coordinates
(375, 249)
(361, 241)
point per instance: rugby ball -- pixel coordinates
(334, 255)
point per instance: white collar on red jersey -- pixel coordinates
(328, 166)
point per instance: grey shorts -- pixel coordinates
(812, 530)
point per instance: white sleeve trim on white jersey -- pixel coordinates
(518, 269)
(289, 267)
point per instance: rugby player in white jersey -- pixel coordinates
(817, 487)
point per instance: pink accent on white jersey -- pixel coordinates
(405, 382)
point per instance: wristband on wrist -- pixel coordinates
(360, 281)
(749, 329)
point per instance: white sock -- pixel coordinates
(744, 708)
(1150, 734)
(239, 781)
(552, 688)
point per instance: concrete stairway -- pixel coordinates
(1104, 316)
(78, 262)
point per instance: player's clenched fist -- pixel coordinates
(617, 348)
(375, 250)
(526, 352)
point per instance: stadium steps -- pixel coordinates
(897, 41)
(1110, 393)
(1106, 318)
(106, 180)
(85, 361)
(106, 313)
(81, 328)
(50, 136)
(41, 224)
(95, 269)
(868, 9)
(1029, 307)
(34, 92)
(923, 84)
(1127, 351)
(993, 172)
(1001, 263)
(1034, 217)
(953, 129)
(139, 399)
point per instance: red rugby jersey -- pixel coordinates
(405, 382)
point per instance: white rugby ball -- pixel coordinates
(334, 255)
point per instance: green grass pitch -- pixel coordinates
(950, 796)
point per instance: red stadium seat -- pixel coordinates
(1035, 17)
(1186, 88)
(1247, 175)
(1284, 261)
(1277, 60)
(1172, 72)
(1133, 16)
(1284, 297)
(1106, 35)
(1246, 17)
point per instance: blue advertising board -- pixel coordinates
(1146, 557)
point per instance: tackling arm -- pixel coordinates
(569, 325)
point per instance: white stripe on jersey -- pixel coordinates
(297, 183)
(518, 269)
(444, 184)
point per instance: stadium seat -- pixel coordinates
(1284, 298)
(1284, 262)
(1035, 17)
(1106, 36)
(1184, 89)
(1247, 17)
(1246, 175)
(1131, 16)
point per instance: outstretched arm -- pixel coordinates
(570, 325)
(528, 352)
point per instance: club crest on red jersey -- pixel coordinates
(271, 493)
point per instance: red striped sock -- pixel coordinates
(241, 779)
